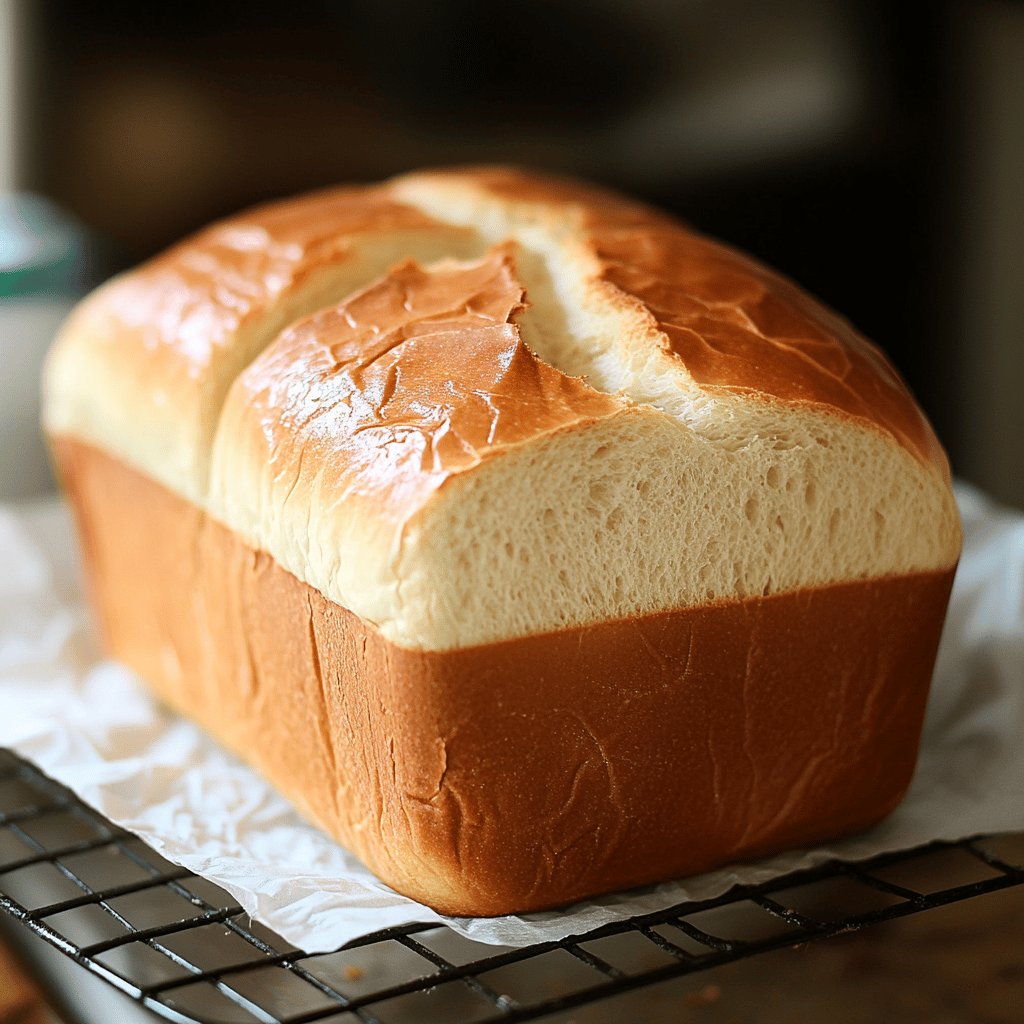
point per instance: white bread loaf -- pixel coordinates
(483, 412)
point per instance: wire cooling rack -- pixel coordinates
(182, 947)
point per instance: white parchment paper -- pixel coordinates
(87, 722)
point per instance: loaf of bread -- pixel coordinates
(534, 545)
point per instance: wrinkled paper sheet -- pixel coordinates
(87, 722)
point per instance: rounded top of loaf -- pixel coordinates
(731, 323)
(476, 403)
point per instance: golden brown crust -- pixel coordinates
(736, 325)
(533, 772)
(418, 377)
(142, 365)
(193, 298)
(739, 327)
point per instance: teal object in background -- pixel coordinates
(46, 264)
(43, 251)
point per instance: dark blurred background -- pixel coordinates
(873, 151)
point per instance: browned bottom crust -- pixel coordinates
(534, 772)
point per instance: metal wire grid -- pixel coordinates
(181, 946)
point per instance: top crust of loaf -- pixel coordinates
(725, 321)
(472, 405)
(142, 366)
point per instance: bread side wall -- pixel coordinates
(531, 773)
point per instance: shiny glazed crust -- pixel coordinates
(733, 324)
(530, 773)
